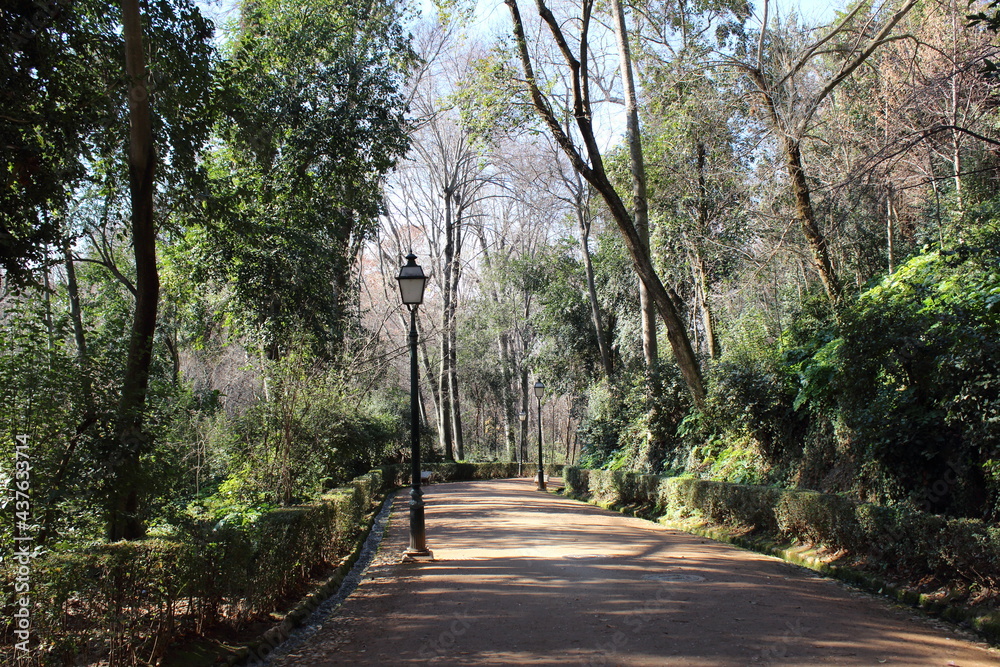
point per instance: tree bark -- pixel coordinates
(792, 152)
(791, 130)
(640, 207)
(698, 261)
(124, 519)
(75, 313)
(456, 401)
(595, 308)
(445, 421)
(525, 408)
(506, 398)
(707, 319)
(807, 219)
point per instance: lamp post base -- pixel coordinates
(541, 480)
(418, 535)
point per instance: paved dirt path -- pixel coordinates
(522, 577)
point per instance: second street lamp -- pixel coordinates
(539, 390)
(411, 288)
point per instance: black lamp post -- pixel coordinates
(539, 390)
(411, 287)
(520, 447)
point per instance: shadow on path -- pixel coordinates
(522, 577)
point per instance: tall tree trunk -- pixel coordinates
(505, 356)
(655, 441)
(595, 308)
(456, 401)
(707, 319)
(506, 399)
(124, 519)
(807, 219)
(75, 313)
(701, 275)
(444, 403)
(792, 151)
(640, 208)
(592, 169)
(444, 394)
(49, 324)
(569, 425)
(525, 408)
(791, 131)
(430, 379)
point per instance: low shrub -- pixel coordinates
(895, 540)
(125, 602)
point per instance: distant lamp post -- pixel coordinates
(411, 287)
(520, 448)
(539, 390)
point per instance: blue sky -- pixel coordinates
(817, 11)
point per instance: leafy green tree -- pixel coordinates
(295, 183)
(54, 101)
(586, 157)
(76, 115)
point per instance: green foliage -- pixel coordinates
(65, 113)
(618, 293)
(899, 540)
(43, 395)
(755, 399)
(492, 103)
(294, 187)
(912, 376)
(306, 435)
(127, 600)
(564, 318)
(624, 427)
(54, 100)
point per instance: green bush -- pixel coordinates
(127, 601)
(899, 540)
(913, 379)
(624, 428)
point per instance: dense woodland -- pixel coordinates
(732, 245)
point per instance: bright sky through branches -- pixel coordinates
(813, 11)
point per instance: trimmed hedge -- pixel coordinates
(125, 602)
(398, 475)
(892, 540)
